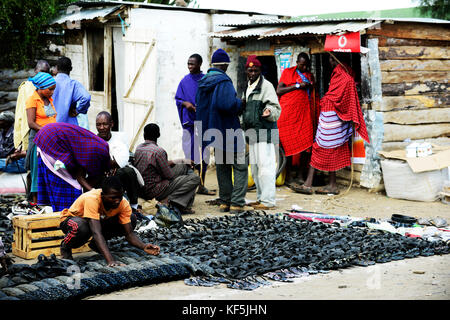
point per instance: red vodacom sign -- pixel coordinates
(347, 42)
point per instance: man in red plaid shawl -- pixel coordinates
(340, 114)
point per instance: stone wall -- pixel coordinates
(10, 81)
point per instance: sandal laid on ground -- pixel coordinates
(214, 202)
(205, 191)
(187, 211)
(301, 188)
(327, 190)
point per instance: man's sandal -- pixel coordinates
(326, 190)
(187, 211)
(205, 191)
(301, 188)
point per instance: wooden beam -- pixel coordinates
(137, 101)
(434, 115)
(149, 111)
(85, 66)
(412, 31)
(415, 88)
(398, 132)
(417, 102)
(387, 42)
(412, 76)
(415, 65)
(269, 52)
(413, 52)
(108, 62)
(346, 174)
(395, 145)
(107, 67)
(141, 67)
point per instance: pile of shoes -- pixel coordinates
(254, 243)
(244, 251)
(59, 279)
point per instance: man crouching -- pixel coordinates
(101, 214)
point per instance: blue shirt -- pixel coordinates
(69, 92)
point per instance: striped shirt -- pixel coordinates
(332, 132)
(151, 161)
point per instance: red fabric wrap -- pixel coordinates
(343, 98)
(295, 125)
(330, 159)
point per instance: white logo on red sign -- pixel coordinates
(342, 42)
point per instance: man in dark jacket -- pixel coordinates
(218, 110)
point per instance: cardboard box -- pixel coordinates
(400, 182)
(440, 159)
(418, 179)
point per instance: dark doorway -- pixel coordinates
(269, 69)
(95, 47)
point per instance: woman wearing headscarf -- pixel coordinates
(40, 112)
(71, 160)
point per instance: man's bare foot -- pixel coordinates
(66, 253)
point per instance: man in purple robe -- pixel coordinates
(185, 100)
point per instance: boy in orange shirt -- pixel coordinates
(102, 214)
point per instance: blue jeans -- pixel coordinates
(16, 166)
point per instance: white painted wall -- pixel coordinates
(178, 34)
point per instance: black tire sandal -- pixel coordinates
(301, 188)
(205, 191)
(326, 190)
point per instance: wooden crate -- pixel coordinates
(31, 233)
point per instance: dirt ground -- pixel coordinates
(422, 278)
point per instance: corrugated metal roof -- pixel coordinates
(80, 14)
(290, 21)
(150, 5)
(293, 30)
(420, 20)
(321, 20)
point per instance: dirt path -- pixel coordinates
(420, 278)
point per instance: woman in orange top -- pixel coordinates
(40, 111)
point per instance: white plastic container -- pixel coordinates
(411, 150)
(424, 149)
